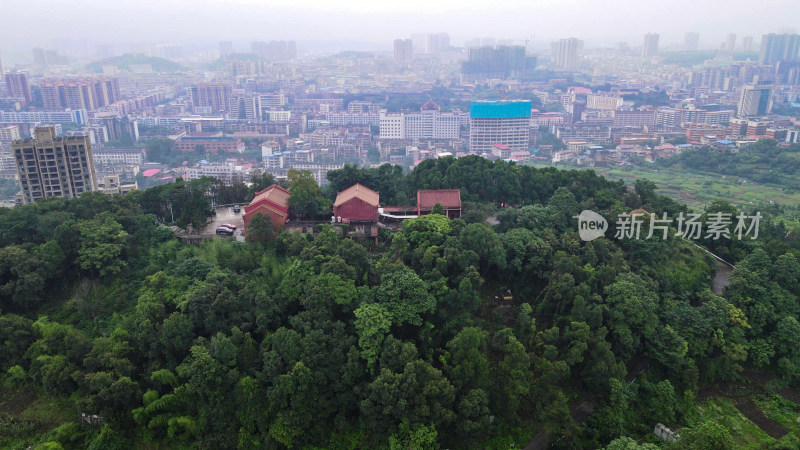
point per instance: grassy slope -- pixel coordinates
(699, 189)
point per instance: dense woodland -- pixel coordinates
(447, 333)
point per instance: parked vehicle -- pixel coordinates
(236, 208)
(225, 230)
(228, 225)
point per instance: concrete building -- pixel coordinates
(499, 122)
(110, 184)
(755, 100)
(565, 53)
(119, 155)
(245, 107)
(497, 62)
(80, 93)
(211, 95)
(213, 145)
(403, 51)
(79, 116)
(650, 48)
(9, 134)
(603, 102)
(779, 47)
(429, 123)
(17, 85)
(51, 166)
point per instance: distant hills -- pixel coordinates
(125, 61)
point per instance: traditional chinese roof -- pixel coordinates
(449, 198)
(277, 196)
(357, 191)
(430, 106)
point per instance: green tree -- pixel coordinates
(102, 246)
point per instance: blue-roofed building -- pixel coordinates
(505, 122)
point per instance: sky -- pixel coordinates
(373, 24)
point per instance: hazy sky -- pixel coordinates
(28, 23)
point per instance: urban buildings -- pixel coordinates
(9, 134)
(51, 166)
(499, 122)
(429, 123)
(755, 100)
(18, 86)
(245, 107)
(214, 96)
(603, 102)
(497, 62)
(80, 93)
(650, 48)
(213, 144)
(403, 51)
(779, 47)
(564, 53)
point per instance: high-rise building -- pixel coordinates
(403, 51)
(755, 100)
(504, 122)
(213, 95)
(747, 44)
(2, 71)
(498, 62)
(650, 48)
(730, 43)
(225, 48)
(779, 47)
(51, 166)
(17, 85)
(691, 41)
(80, 93)
(565, 53)
(245, 107)
(438, 42)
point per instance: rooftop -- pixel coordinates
(357, 191)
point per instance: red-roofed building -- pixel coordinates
(450, 199)
(356, 204)
(430, 106)
(272, 201)
(150, 172)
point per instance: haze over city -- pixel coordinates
(498, 224)
(369, 25)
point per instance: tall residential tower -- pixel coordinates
(51, 166)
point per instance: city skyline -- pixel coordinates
(318, 25)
